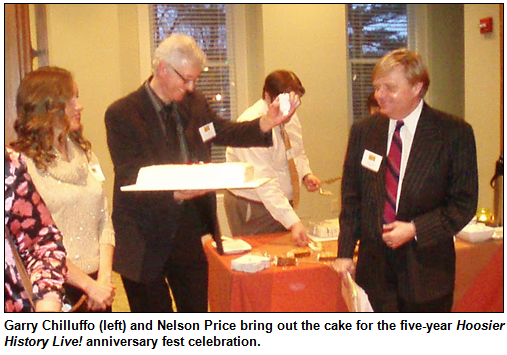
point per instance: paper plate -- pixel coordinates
(233, 246)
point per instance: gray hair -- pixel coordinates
(179, 48)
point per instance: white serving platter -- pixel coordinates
(202, 185)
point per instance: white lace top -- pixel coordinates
(74, 194)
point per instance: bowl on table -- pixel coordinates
(476, 233)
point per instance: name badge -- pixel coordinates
(97, 172)
(207, 132)
(371, 161)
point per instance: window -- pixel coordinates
(209, 25)
(373, 30)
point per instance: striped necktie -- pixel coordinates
(294, 177)
(393, 175)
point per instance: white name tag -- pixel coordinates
(97, 172)
(207, 132)
(371, 161)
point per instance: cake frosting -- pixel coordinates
(329, 228)
(198, 175)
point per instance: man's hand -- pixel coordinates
(312, 182)
(298, 232)
(344, 265)
(398, 233)
(275, 117)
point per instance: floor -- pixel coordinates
(120, 303)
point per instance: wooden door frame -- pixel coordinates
(19, 55)
(18, 60)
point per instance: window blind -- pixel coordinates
(209, 25)
(373, 30)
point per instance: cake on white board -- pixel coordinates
(210, 176)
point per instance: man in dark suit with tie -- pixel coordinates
(409, 185)
(167, 121)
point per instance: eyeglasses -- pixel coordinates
(185, 80)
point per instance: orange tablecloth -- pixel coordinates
(314, 287)
(479, 277)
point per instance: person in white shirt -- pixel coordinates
(269, 208)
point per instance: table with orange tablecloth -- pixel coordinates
(312, 286)
(479, 277)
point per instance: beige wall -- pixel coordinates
(100, 45)
(482, 92)
(254, 52)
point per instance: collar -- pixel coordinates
(155, 100)
(410, 122)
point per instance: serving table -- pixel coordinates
(313, 286)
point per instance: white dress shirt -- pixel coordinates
(407, 134)
(271, 162)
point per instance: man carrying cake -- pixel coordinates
(158, 234)
(270, 208)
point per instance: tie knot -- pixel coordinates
(399, 124)
(167, 109)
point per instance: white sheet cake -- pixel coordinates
(196, 174)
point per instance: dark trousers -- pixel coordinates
(396, 304)
(391, 300)
(185, 278)
(247, 217)
(188, 284)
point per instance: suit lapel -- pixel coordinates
(426, 146)
(154, 129)
(376, 142)
(192, 126)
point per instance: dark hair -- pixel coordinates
(282, 81)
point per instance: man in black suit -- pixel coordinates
(158, 234)
(406, 260)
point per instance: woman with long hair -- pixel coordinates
(68, 176)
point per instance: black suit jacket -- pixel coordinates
(145, 222)
(439, 194)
